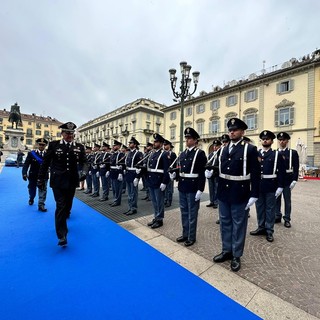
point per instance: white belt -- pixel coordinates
(132, 169)
(189, 175)
(268, 176)
(234, 178)
(155, 170)
(289, 171)
(102, 165)
(115, 167)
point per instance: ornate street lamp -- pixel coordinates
(184, 90)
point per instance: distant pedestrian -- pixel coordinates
(20, 155)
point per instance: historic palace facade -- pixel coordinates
(140, 118)
(285, 98)
(33, 126)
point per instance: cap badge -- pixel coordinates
(233, 121)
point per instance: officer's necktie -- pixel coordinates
(41, 153)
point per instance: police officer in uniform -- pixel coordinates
(130, 176)
(149, 148)
(68, 165)
(291, 159)
(167, 146)
(238, 189)
(95, 170)
(191, 183)
(30, 172)
(225, 139)
(271, 185)
(116, 173)
(104, 170)
(157, 179)
(89, 157)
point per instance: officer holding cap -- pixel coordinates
(238, 189)
(30, 172)
(68, 165)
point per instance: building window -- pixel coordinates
(284, 117)
(58, 134)
(201, 108)
(188, 111)
(47, 134)
(285, 86)
(29, 142)
(46, 125)
(251, 121)
(133, 126)
(38, 125)
(215, 105)
(1, 128)
(231, 100)
(148, 126)
(148, 116)
(1, 120)
(214, 126)
(173, 115)
(29, 123)
(38, 132)
(157, 127)
(251, 95)
(172, 133)
(200, 128)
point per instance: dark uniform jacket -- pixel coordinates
(104, 164)
(269, 184)
(96, 160)
(238, 191)
(191, 184)
(157, 169)
(32, 163)
(89, 157)
(65, 164)
(292, 172)
(131, 160)
(115, 164)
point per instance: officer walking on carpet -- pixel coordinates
(238, 189)
(30, 172)
(68, 165)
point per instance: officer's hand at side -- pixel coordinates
(97, 174)
(278, 192)
(41, 184)
(163, 186)
(172, 175)
(135, 182)
(107, 174)
(198, 195)
(90, 173)
(25, 177)
(120, 177)
(251, 202)
(138, 171)
(292, 185)
(208, 173)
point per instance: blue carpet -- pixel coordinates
(104, 273)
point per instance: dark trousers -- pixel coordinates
(157, 198)
(213, 188)
(132, 196)
(96, 182)
(63, 198)
(189, 209)
(168, 192)
(287, 204)
(116, 190)
(42, 194)
(89, 182)
(233, 227)
(266, 206)
(105, 185)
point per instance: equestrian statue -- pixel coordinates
(15, 115)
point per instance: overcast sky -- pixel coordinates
(75, 60)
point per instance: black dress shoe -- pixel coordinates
(88, 191)
(287, 224)
(103, 199)
(42, 209)
(210, 205)
(131, 212)
(168, 205)
(218, 221)
(235, 264)
(114, 204)
(63, 242)
(95, 195)
(215, 206)
(127, 211)
(189, 243)
(157, 224)
(31, 201)
(269, 237)
(145, 198)
(222, 257)
(278, 220)
(182, 239)
(151, 222)
(258, 232)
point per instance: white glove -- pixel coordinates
(107, 174)
(124, 171)
(135, 182)
(90, 173)
(163, 186)
(208, 173)
(278, 192)
(292, 185)
(172, 175)
(251, 202)
(120, 177)
(138, 171)
(198, 195)
(97, 174)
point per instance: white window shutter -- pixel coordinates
(276, 118)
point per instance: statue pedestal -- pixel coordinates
(13, 140)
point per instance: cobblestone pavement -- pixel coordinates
(289, 267)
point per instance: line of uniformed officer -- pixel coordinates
(104, 168)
